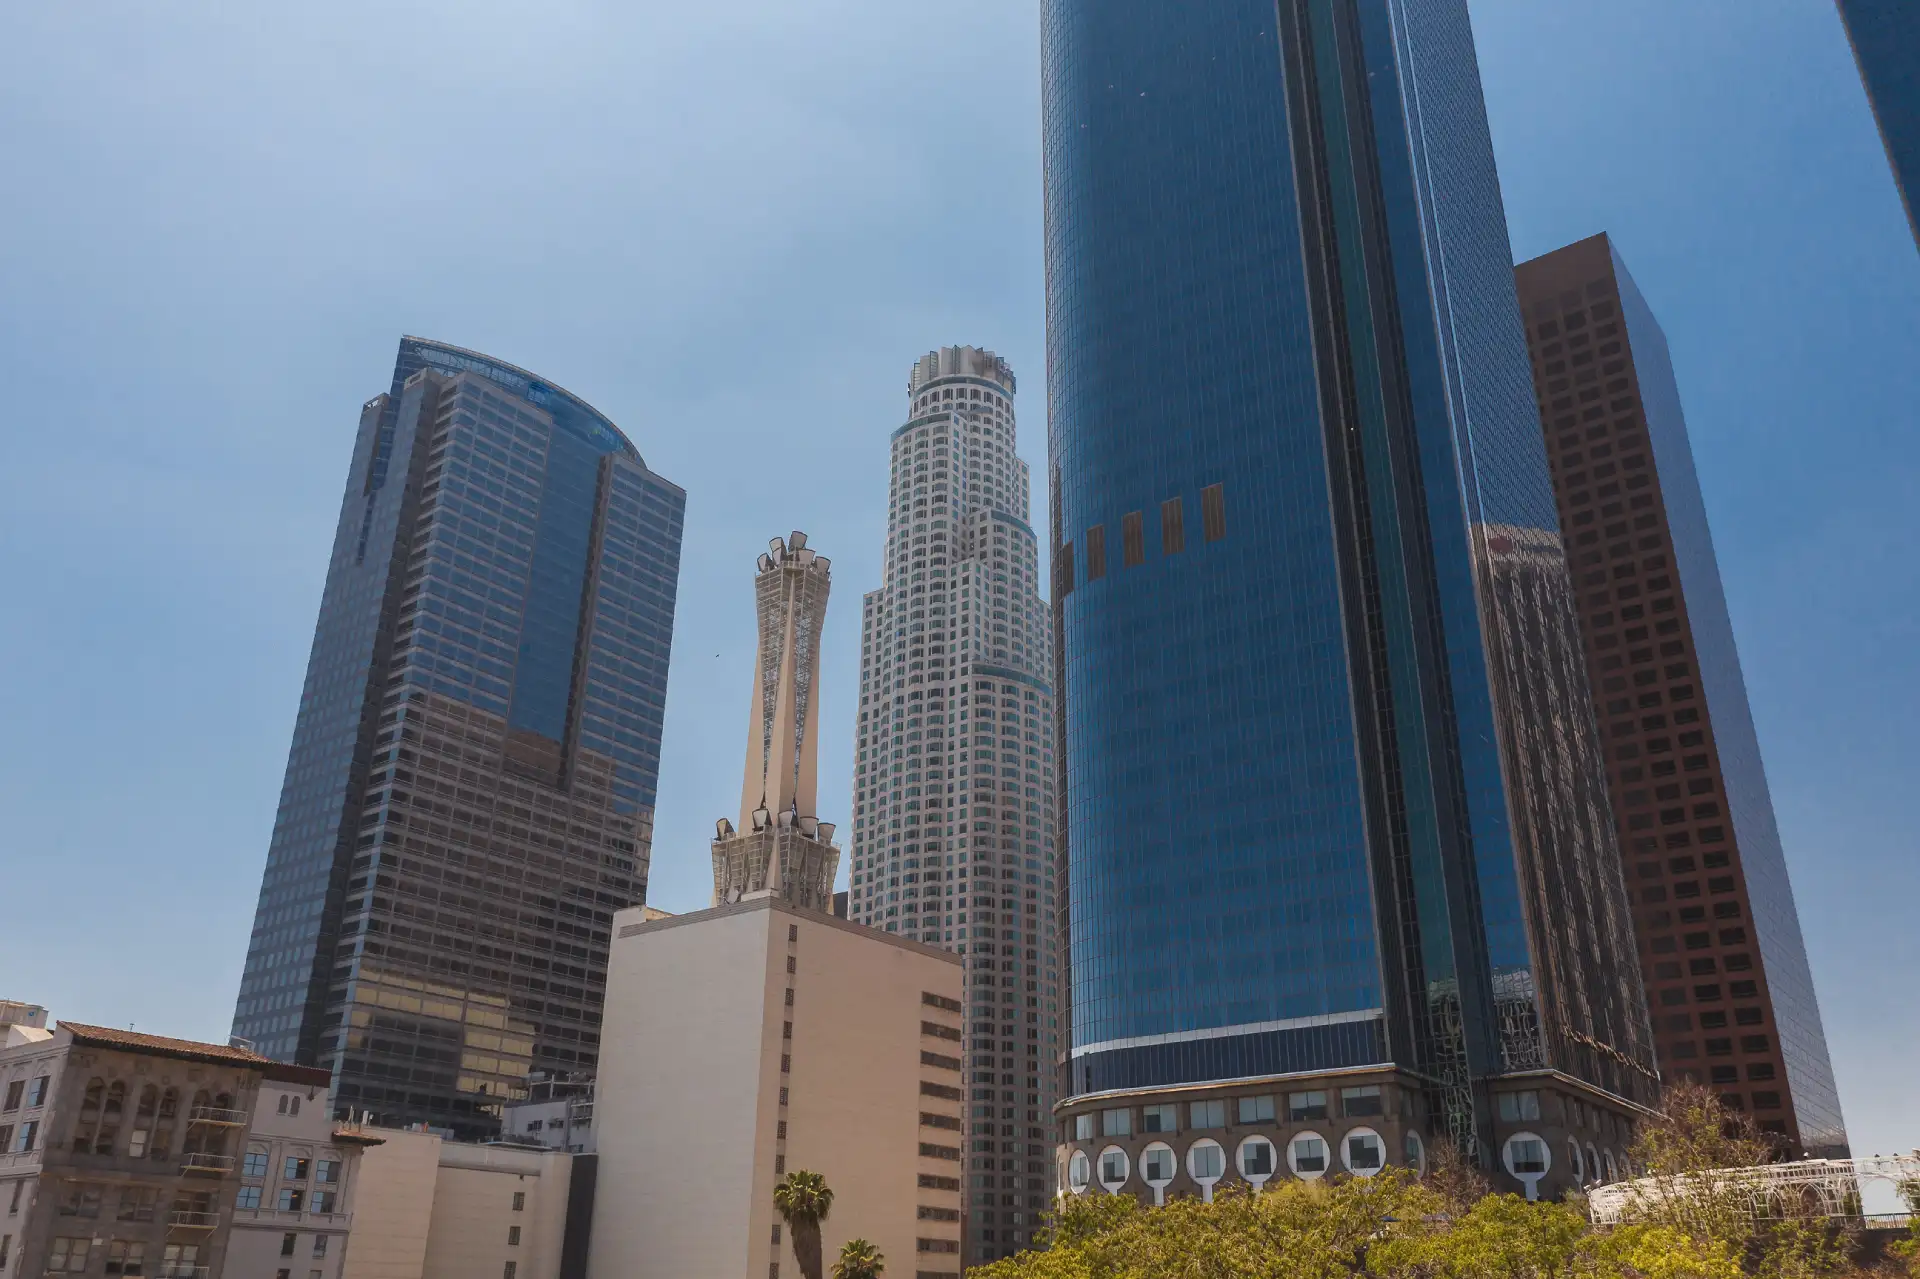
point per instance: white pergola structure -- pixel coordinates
(1818, 1187)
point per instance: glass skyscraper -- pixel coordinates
(469, 795)
(1342, 874)
(1885, 35)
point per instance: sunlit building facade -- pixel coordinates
(469, 795)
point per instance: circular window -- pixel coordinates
(1595, 1169)
(1579, 1167)
(1114, 1169)
(1256, 1160)
(1307, 1155)
(1416, 1152)
(1157, 1165)
(1079, 1172)
(1363, 1152)
(1528, 1159)
(1206, 1162)
(1612, 1175)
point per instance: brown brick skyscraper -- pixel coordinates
(1726, 969)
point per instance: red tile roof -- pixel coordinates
(131, 1041)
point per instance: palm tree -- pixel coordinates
(803, 1201)
(859, 1260)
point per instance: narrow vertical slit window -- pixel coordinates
(1096, 552)
(1133, 540)
(1213, 512)
(1063, 570)
(1173, 527)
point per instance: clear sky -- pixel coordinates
(732, 226)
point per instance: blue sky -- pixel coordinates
(733, 226)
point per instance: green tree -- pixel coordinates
(1908, 1249)
(859, 1260)
(803, 1201)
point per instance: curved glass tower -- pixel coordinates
(469, 795)
(1335, 807)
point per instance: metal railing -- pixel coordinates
(203, 1162)
(188, 1219)
(217, 1115)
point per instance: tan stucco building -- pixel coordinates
(432, 1209)
(758, 1038)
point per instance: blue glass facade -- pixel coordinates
(470, 789)
(1333, 790)
(1886, 43)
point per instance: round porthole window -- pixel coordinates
(1527, 1157)
(1079, 1172)
(1157, 1165)
(1416, 1153)
(1612, 1173)
(1307, 1156)
(1257, 1160)
(1206, 1164)
(1363, 1152)
(1114, 1169)
(1579, 1166)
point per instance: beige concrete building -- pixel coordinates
(757, 1038)
(14, 1012)
(293, 1210)
(781, 844)
(434, 1209)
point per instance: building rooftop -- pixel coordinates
(185, 1049)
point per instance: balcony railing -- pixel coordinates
(291, 1217)
(181, 1270)
(217, 1115)
(201, 1162)
(186, 1219)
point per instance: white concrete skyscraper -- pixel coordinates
(782, 846)
(954, 767)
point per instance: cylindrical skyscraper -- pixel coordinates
(469, 795)
(954, 765)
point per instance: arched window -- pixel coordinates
(142, 1135)
(294, 1108)
(88, 1124)
(109, 1134)
(163, 1128)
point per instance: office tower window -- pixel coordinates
(1256, 1110)
(1133, 541)
(1173, 530)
